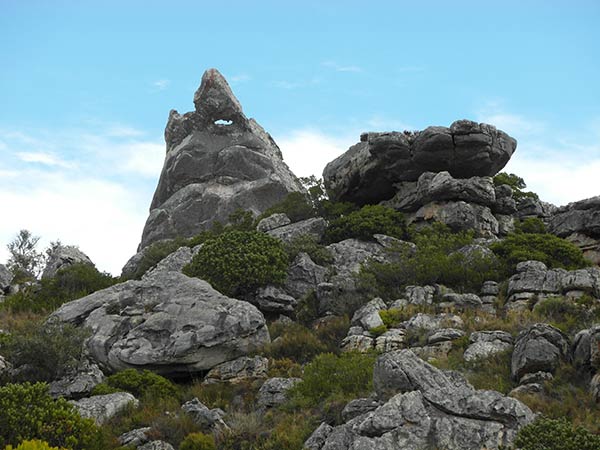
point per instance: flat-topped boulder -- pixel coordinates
(217, 161)
(368, 171)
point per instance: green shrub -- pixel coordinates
(32, 445)
(155, 253)
(238, 262)
(295, 342)
(516, 183)
(308, 244)
(367, 221)
(379, 330)
(392, 317)
(143, 383)
(44, 352)
(551, 434)
(198, 441)
(28, 412)
(295, 205)
(567, 315)
(70, 283)
(531, 225)
(547, 248)
(349, 375)
(332, 331)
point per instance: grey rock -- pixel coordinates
(210, 419)
(432, 352)
(78, 384)
(368, 316)
(101, 408)
(239, 370)
(391, 340)
(273, 221)
(393, 243)
(419, 295)
(359, 407)
(156, 445)
(537, 377)
(318, 437)
(445, 334)
(63, 256)
(304, 276)
(485, 344)
(167, 322)
(274, 391)
(273, 299)
(490, 288)
(432, 322)
(595, 387)
(462, 301)
(176, 261)
(5, 367)
(586, 349)
(368, 171)
(458, 215)
(357, 343)
(135, 438)
(527, 389)
(540, 347)
(314, 227)
(506, 224)
(6, 278)
(532, 207)
(578, 217)
(212, 169)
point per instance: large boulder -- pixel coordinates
(368, 171)
(579, 222)
(217, 161)
(167, 322)
(422, 407)
(102, 408)
(63, 256)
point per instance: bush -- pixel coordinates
(532, 225)
(70, 283)
(295, 205)
(550, 434)
(367, 221)
(155, 253)
(308, 244)
(198, 441)
(568, 315)
(44, 352)
(239, 262)
(32, 445)
(141, 384)
(28, 412)
(294, 342)
(547, 248)
(516, 183)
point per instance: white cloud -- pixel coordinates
(161, 85)
(43, 158)
(144, 158)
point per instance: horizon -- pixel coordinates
(88, 88)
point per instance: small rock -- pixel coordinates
(207, 418)
(314, 227)
(357, 343)
(445, 334)
(239, 370)
(63, 256)
(537, 377)
(156, 445)
(78, 384)
(101, 408)
(135, 438)
(274, 391)
(368, 316)
(273, 221)
(359, 407)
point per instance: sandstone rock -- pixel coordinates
(78, 384)
(156, 445)
(540, 347)
(359, 407)
(462, 301)
(314, 227)
(274, 391)
(485, 344)
(490, 288)
(304, 276)
(432, 322)
(391, 340)
(318, 438)
(532, 207)
(367, 316)
(176, 261)
(273, 299)
(357, 343)
(423, 407)
(419, 295)
(167, 322)
(579, 217)
(536, 378)
(63, 256)
(444, 334)
(368, 171)
(135, 438)
(213, 168)
(239, 370)
(273, 221)
(101, 408)
(433, 352)
(586, 349)
(527, 389)
(595, 387)
(459, 216)
(209, 419)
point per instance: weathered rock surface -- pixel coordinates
(367, 316)
(459, 216)
(176, 261)
(238, 370)
(157, 445)
(135, 438)
(78, 384)
(217, 161)
(424, 407)
(540, 347)
(63, 256)
(304, 275)
(273, 221)
(6, 278)
(273, 299)
(586, 349)
(314, 227)
(102, 407)
(168, 323)
(368, 171)
(207, 418)
(579, 222)
(484, 344)
(274, 391)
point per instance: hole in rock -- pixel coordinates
(223, 122)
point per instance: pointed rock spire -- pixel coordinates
(214, 99)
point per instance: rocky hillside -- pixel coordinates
(415, 297)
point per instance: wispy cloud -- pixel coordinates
(161, 85)
(47, 159)
(341, 67)
(510, 122)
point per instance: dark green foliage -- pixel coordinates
(70, 283)
(308, 244)
(198, 441)
(328, 376)
(551, 434)
(238, 262)
(296, 205)
(435, 261)
(294, 342)
(155, 253)
(143, 383)
(516, 183)
(567, 315)
(25, 261)
(28, 412)
(547, 248)
(44, 352)
(367, 221)
(532, 225)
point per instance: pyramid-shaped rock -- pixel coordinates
(217, 161)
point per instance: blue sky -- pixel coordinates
(86, 87)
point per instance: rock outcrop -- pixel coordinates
(63, 256)
(102, 408)
(167, 322)
(579, 222)
(422, 407)
(369, 170)
(217, 161)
